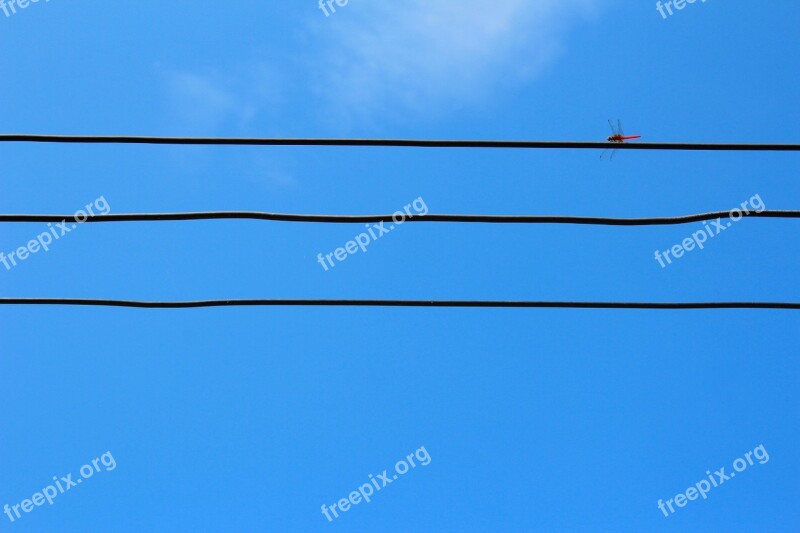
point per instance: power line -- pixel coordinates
(396, 303)
(352, 219)
(397, 143)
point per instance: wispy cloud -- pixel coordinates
(243, 100)
(378, 60)
(204, 102)
(395, 57)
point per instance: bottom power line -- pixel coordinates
(396, 303)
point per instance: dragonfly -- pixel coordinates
(617, 137)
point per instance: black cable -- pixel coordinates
(397, 303)
(409, 143)
(352, 219)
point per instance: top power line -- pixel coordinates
(398, 143)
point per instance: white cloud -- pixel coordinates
(417, 54)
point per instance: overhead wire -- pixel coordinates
(404, 217)
(96, 302)
(389, 143)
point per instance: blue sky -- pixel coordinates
(533, 420)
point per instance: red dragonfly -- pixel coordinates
(617, 137)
